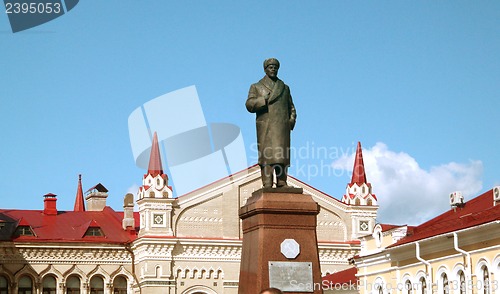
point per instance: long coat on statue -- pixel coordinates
(275, 119)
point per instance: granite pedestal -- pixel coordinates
(270, 217)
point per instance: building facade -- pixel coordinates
(159, 244)
(457, 252)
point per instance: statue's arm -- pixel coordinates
(255, 102)
(293, 113)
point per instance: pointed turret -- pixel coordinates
(359, 191)
(155, 167)
(155, 182)
(154, 199)
(79, 201)
(358, 172)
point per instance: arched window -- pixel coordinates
(199, 290)
(423, 285)
(73, 285)
(357, 202)
(486, 279)
(4, 285)
(369, 202)
(96, 285)
(408, 287)
(120, 285)
(25, 285)
(463, 286)
(446, 284)
(49, 285)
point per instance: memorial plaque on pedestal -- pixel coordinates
(291, 276)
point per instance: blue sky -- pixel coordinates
(417, 82)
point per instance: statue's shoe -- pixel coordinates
(282, 185)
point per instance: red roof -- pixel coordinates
(93, 224)
(477, 211)
(353, 242)
(345, 277)
(79, 201)
(22, 222)
(66, 226)
(387, 227)
(358, 172)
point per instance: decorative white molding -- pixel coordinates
(75, 270)
(51, 270)
(150, 251)
(28, 271)
(99, 271)
(190, 252)
(56, 255)
(198, 273)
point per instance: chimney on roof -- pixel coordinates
(96, 198)
(49, 204)
(496, 196)
(457, 199)
(128, 222)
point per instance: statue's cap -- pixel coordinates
(270, 61)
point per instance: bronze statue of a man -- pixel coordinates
(270, 99)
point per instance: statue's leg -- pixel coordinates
(281, 174)
(266, 172)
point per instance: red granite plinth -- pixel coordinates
(269, 217)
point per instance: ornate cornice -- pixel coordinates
(41, 254)
(153, 250)
(208, 252)
(331, 255)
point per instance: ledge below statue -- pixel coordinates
(288, 189)
(279, 201)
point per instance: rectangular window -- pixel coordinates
(94, 232)
(24, 231)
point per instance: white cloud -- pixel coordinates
(133, 189)
(407, 193)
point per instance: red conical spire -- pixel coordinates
(358, 173)
(79, 204)
(155, 168)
